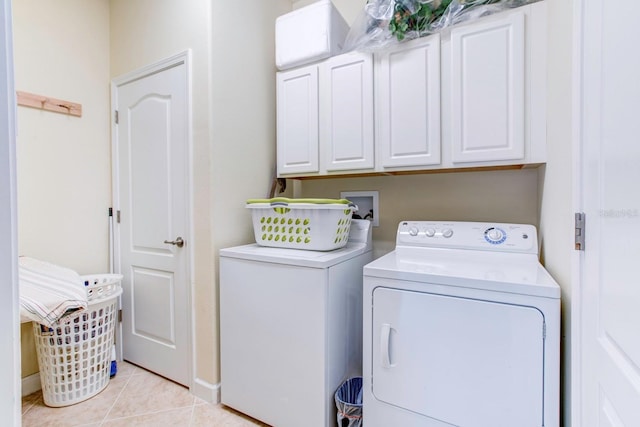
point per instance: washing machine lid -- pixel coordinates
(297, 257)
(501, 272)
(359, 242)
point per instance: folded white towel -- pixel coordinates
(49, 293)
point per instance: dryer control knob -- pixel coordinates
(413, 231)
(495, 235)
(447, 233)
(430, 232)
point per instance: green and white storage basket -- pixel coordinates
(312, 224)
(75, 357)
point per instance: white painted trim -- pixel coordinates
(202, 389)
(31, 384)
(180, 58)
(115, 204)
(206, 391)
(154, 68)
(10, 401)
(577, 257)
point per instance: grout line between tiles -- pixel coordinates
(26, 410)
(142, 414)
(193, 411)
(104, 419)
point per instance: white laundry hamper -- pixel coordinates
(75, 357)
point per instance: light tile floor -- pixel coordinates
(135, 397)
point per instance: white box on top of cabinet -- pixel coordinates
(473, 95)
(308, 34)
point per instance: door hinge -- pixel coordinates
(118, 217)
(116, 117)
(580, 231)
(120, 315)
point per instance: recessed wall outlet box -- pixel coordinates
(367, 202)
(309, 34)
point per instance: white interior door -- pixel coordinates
(152, 161)
(607, 351)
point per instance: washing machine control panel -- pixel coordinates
(468, 235)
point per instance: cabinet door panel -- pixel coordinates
(346, 112)
(487, 90)
(408, 102)
(297, 123)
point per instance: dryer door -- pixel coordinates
(461, 361)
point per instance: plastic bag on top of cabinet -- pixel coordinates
(384, 23)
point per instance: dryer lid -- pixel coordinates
(295, 257)
(359, 243)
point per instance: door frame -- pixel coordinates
(10, 402)
(577, 257)
(175, 60)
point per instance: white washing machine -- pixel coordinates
(291, 328)
(461, 328)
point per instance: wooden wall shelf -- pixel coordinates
(32, 100)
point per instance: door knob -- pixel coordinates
(178, 242)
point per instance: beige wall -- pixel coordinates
(64, 177)
(504, 196)
(349, 9)
(243, 123)
(243, 115)
(556, 215)
(62, 51)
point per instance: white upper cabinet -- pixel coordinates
(297, 123)
(487, 90)
(346, 112)
(473, 95)
(494, 89)
(408, 104)
(325, 117)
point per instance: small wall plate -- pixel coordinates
(367, 202)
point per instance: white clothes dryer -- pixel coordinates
(291, 328)
(461, 328)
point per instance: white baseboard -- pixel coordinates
(206, 391)
(202, 389)
(31, 384)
